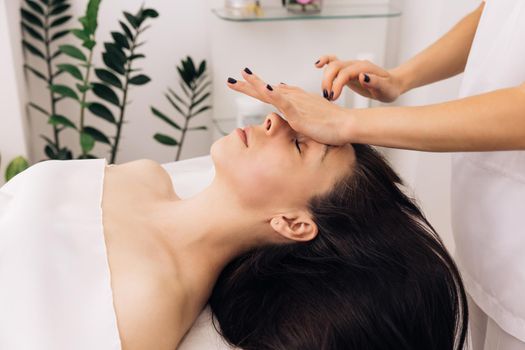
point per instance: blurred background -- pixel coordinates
(275, 43)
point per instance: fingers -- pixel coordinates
(246, 88)
(256, 87)
(325, 60)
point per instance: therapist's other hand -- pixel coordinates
(309, 114)
(363, 77)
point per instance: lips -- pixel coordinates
(242, 135)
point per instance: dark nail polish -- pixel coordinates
(317, 61)
(269, 87)
(232, 81)
(331, 95)
(325, 93)
(367, 78)
(283, 83)
(247, 70)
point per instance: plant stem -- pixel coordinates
(50, 77)
(185, 129)
(83, 101)
(114, 149)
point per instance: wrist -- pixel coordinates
(401, 79)
(350, 130)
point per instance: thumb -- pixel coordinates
(371, 81)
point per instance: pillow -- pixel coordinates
(189, 177)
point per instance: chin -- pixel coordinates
(224, 155)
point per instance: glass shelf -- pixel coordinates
(346, 11)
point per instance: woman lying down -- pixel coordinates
(294, 244)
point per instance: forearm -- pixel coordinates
(443, 59)
(487, 122)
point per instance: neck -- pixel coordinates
(208, 230)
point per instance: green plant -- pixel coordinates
(80, 72)
(43, 23)
(193, 84)
(15, 167)
(118, 58)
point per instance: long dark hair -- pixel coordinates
(376, 277)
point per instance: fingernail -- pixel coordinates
(317, 61)
(331, 95)
(247, 70)
(283, 83)
(367, 78)
(325, 93)
(269, 87)
(232, 81)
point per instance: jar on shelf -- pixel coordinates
(304, 6)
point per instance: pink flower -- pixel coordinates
(304, 2)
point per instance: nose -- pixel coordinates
(272, 124)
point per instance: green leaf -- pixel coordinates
(113, 63)
(116, 52)
(120, 39)
(89, 44)
(38, 108)
(165, 139)
(150, 13)
(83, 88)
(175, 105)
(106, 93)
(202, 68)
(198, 128)
(47, 139)
(81, 34)
(50, 151)
(126, 30)
(71, 69)
(60, 21)
(202, 88)
(184, 89)
(59, 9)
(72, 51)
(16, 166)
(36, 72)
(35, 7)
(32, 32)
(196, 103)
(137, 56)
(177, 97)
(140, 79)
(131, 19)
(31, 18)
(64, 90)
(90, 19)
(165, 118)
(33, 49)
(57, 119)
(102, 111)
(205, 108)
(87, 142)
(97, 135)
(59, 35)
(108, 77)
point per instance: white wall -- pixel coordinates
(12, 96)
(180, 30)
(428, 174)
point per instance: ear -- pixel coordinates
(296, 226)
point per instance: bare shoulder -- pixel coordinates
(149, 173)
(148, 316)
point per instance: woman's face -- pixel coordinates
(278, 168)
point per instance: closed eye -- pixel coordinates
(297, 143)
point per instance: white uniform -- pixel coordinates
(488, 188)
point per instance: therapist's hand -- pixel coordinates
(309, 114)
(363, 77)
